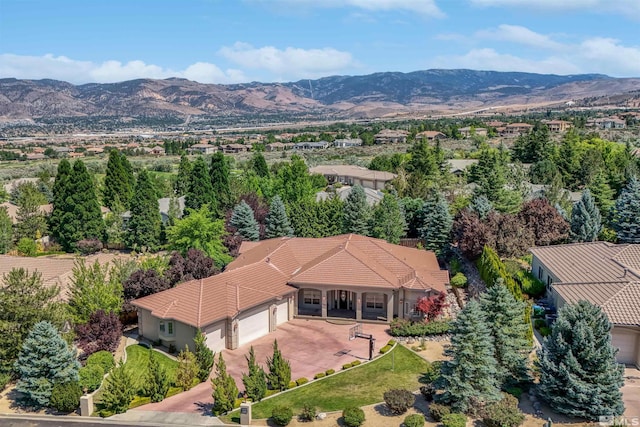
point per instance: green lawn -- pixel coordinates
(359, 386)
(138, 359)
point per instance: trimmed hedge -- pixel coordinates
(301, 381)
(102, 358)
(353, 417)
(459, 280)
(292, 384)
(355, 363)
(406, 328)
(385, 349)
(330, 372)
(454, 420)
(399, 400)
(414, 420)
(90, 377)
(346, 366)
(439, 411)
(319, 375)
(282, 415)
(504, 413)
(66, 397)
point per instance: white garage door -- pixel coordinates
(216, 339)
(252, 325)
(625, 341)
(283, 312)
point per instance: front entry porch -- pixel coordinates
(346, 304)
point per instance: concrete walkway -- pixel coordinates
(167, 418)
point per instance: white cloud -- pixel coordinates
(423, 7)
(610, 57)
(629, 7)
(75, 71)
(520, 35)
(290, 62)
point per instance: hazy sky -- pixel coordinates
(230, 41)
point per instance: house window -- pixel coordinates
(166, 328)
(549, 281)
(375, 301)
(170, 328)
(162, 329)
(540, 273)
(311, 297)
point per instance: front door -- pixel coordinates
(343, 300)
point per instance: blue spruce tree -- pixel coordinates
(586, 221)
(626, 214)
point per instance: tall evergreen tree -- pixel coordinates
(388, 219)
(156, 382)
(82, 218)
(220, 180)
(509, 332)
(204, 356)
(119, 390)
(61, 191)
(602, 193)
(225, 390)
(626, 213)
(184, 172)
(586, 221)
(255, 382)
(259, 165)
(279, 369)
(143, 229)
(277, 223)
(200, 191)
(470, 377)
(244, 220)
(579, 375)
(45, 360)
(481, 206)
(31, 222)
(117, 182)
(436, 223)
(357, 213)
(6, 231)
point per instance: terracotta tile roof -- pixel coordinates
(271, 269)
(352, 171)
(589, 262)
(619, 300)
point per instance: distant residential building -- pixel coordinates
(609, 123)
(354, 175)
(275, 146)
(157, 151)
(389, 136)
(202, 149)
(350, 142)
(373, 196)
(496, 124)
(517, 129)
(459, 166)
(12, 210)
(163, 208)
(557, 126)
(234, 148)
(431, 135)
(311, 145)
(470, 130)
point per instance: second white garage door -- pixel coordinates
(252, 325)
(283, 312)
(625, 341)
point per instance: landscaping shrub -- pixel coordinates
(454, 420)
(355, 363)
(89, 246)
(103, 359)
(455, 266)
(545, 331)
(346, 366)
(459, 280)
(399, 400)
(391, 342)
(282, 415)
(414, 420)
(515, 392)
(353, 417)
(319, 375)
(308, 412)
(428, 391)
(65, 397)
(385, 349)
(330, 372)
(27, 247)
(4, 380)
(292, 384)
(539, 323)
(406, 328)
(301, 381)
(433, 373)
(504, 413)
(101, 332)
(438, 411)
(529, 284)
(90, 377)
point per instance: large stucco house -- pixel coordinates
(273, 281)
(604, 274)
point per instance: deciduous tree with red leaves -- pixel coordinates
(194, 265)
(431, 306)
(545, 221)
(101, 332)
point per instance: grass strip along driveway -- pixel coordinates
(364, 385)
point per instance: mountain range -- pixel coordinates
(373, 95)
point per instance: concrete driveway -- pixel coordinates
(311, 346)
(631, 393)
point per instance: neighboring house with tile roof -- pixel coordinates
(604, 274)
(354, 175)
(373, 196)
(272, 281)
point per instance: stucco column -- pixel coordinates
(390, 302)
(358, 305)
(324, 303)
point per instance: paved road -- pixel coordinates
(152, 420)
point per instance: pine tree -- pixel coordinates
(388, 219)
(6, 231)
(184, 172)
(62, 190)
(200, 191)
(259, 165)
(602, 193)
(470, 377)
(187, 370)
(244, 220)
(481, 206)
(116, 181)
(156, 383)
(255, 382)
(143, 229)
(31, 222)
(436, 223)
(579, 375)
(219, 172)
(357, 213)
(204, 356)
(277, 222)
(45, 360)
(279, 369)
(509, 331)
(626, 213)
(225, 390)
(119, 390)
(586, 221)
(82, 218)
